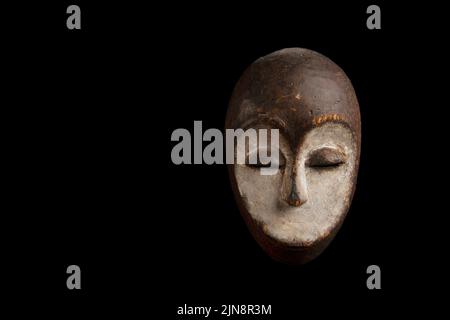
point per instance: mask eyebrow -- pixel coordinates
(264, 119)
(334, 117)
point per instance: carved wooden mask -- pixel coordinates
(295, 213)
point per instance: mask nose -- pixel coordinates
(295, 192)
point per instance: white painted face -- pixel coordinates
(310, 195)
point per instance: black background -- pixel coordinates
(92, 112)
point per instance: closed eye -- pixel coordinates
(326, 158)
(273, 163)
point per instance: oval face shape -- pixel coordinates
(295, 212)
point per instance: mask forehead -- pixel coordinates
(295, 90)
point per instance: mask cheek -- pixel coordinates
(328, 190)
(259, 194)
